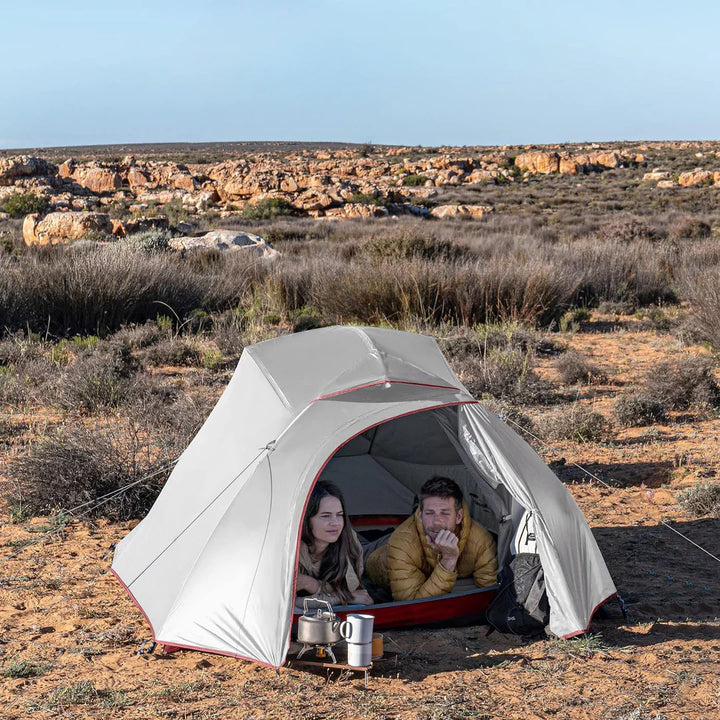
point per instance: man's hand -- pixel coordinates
(446, 545)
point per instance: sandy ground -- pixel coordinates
(69, 635)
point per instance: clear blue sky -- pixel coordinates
(397, 71)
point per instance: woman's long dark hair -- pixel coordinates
(334, 564)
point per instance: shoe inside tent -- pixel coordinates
(377, 411)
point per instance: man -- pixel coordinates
(434, 547)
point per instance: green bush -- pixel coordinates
(267, 209)
(152, 240)
(20, 204)
(414, 180)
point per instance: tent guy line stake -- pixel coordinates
(506, 419)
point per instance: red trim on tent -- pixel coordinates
(582, 632)
(424, 611)
(384, 382)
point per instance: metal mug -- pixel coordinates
(358, 628)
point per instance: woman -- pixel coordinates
(331, 558)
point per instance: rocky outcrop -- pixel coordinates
(225, 240)
(23, 166)
(63, 227)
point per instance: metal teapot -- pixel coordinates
(319, 626)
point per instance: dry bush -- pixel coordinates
(97, 291)
(627, 230)
(689, 228)
(701, 287)
(638, 409)
(572, 423)
(102, 378)
(683, 382)
(574, 367)
(701, 499)
(228, 332)
(464, 294)
(638, 273)
(77, 465)
(175, 351)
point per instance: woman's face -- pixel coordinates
(327, 525)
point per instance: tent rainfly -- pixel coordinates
(377, 411)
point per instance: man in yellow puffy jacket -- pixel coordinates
(435, 546)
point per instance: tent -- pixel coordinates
(378, 411)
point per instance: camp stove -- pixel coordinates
(319, 629)
(321, 651)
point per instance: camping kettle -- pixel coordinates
(318, 626)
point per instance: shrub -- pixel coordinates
(505, 374)
(368, 199)
(228, 332)
(409, 246)
(574, 367)
(101, 379)
(702, 290)
(86, 465)
(414, 180)
(267, 209)
(177, 351)
(152, 240)
(682, 382)
(701, 499)
(690, 229)
(572, 423)
(98, 291)
(18, 205)
(638, 409)
(627, 230)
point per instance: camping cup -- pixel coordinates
(358, 629)
(359, 654)
(377, 646)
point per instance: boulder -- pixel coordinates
(23, 166)
(460, 211)
(538, 161)
(136, 177)
(97, 179)
(656, 175)
(63, 227)
(226, 240)
(695, 177)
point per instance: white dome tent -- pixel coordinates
(377, 411)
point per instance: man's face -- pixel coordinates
(439, 513)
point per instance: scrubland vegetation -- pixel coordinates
(89, 330)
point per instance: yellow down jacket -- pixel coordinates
(411, 569)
